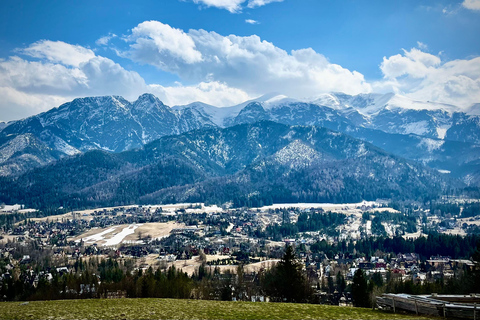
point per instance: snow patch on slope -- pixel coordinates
(297, 155)
(442, 131)
(431, 144)
(420, 128)
(362, 151)
(64, 147)
(15, 145)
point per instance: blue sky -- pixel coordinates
(225, 51)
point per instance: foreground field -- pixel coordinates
(181, 309)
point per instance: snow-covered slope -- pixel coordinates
(223, 117)
(112, 123)
(215, 115)
(394, 113)
(19, 153)
(109, 123)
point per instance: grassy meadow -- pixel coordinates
(182, 309)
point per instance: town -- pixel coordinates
(387, 241)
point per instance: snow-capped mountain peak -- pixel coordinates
(115, 124)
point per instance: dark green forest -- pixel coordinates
(244, 165)
(456, 247)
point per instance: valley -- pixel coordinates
(192, 237)
(239, 159)
(213, 196)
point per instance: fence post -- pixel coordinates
(416, 307)
(474, 311)
(393, 299)
(444, 311)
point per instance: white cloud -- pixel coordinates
(98, 76)
(16, 104)
(40, 77)
(159, 44)
(259, 3)
(234, 6)
(424, 76)
(29, 87)
(421, 45)
(59, 52)
(221, 70)
(251, 21)
(214, 93)
(103, 41)
(248, 63)
(471, 4)
(107, 77)
(231, 5)
(414, 63)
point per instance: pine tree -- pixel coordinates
(286, 282)
(360, 290)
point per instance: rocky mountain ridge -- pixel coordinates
(399, 125)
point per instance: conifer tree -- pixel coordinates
(360, 290)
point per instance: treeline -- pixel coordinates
(316, 221)
(408, 223)
(465, 210)
(286, 281)
(94, 179)
(329, 183)
(93, 278)
(84, 283)
(8, 220)
(456, 247)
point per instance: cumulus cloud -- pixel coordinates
(28, 87)
(16, 104)
(251, 21)
(40, 77)
(59, 73)
(424, 76)
(107, 77)
(248, 63)
(471, 4)
(415, 63)
(98, 75)
(159, 44)
(220, 70)
(59, 52)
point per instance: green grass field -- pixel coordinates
(182, 309)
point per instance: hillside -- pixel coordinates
(182, 309)
(248, 164)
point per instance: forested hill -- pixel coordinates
(249, 164)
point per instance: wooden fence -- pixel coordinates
(448, 306)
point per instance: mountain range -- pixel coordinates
(126, 138)
(437, 135)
